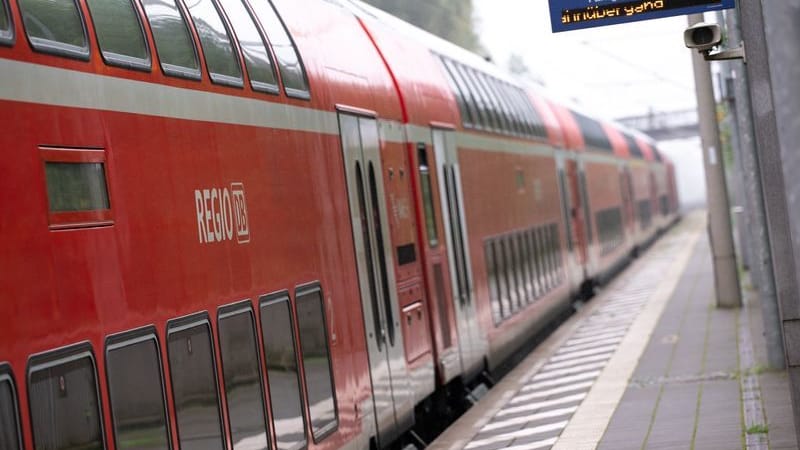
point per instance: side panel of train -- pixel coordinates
(293, 253)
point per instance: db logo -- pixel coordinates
(221, 214)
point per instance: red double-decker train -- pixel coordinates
(281, 224)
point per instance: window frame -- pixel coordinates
(124, 61)
(59, 220)
(173, 70)
(8, 37)
(258, 86)
(216, 78)
(51, 47)
(7, 374)
(127, 339)
(182, 324)
(474, 120)
(289, 91)
(231, 310)
(55, 358)
(275, 298)
(300, 291)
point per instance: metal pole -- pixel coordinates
(726, 276)
(759, 238)
(771, 165)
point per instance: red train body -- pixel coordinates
(281, 240)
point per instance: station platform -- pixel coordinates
(649, 363)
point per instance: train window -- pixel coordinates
(73, 187)
(427, 195)
(587, 209)
(6, 25)
(531, 116)
(64, 402)
(455, 88)
(541, 268)
(241, 373)
(316, 361)
(77, 191)
(593, 133)
(502, 277)
(136, 390)
(474, 77)
(256, 57)
(524, 267)
(280, 354)
(485, 120)
(473, 119)
(119, 33)
(293, 74)
(558, 252)
(513, 95)
(532, 263)
(514, 112)
(633, 147)
(194, 383)
(174, 44)
(55, 27)
(491, 275)
(10, 435)
(222, 62)
(511, 275)
(495, 106)
(505, 109)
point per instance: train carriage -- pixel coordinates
(279, 224)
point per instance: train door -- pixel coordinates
(391, 392)
(577, 212)
(626, 188)
(574, 267)
(472, 345)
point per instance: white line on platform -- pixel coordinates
(534, 445)
(584, 340)
(560, 382)
(546, 375)
(518, 434)
(594, 344)
(525, 419)
(575, 362)
(579, 354)
(539, 405)
(549, 392)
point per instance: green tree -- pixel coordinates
(449, 19)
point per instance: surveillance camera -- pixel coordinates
(702, 36)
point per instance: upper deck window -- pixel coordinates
(6, 27)
(119, 33)
(593, 133)
(293, 74)
(256, 57)
(222, 61)
(174, 44)
(473, 119)
(633, 147)
(55, 27)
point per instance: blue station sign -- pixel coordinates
(566, 15)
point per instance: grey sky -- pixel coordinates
(612, 71)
